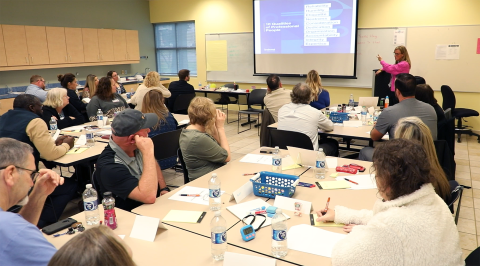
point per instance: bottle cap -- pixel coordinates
(214, 175)
(276, 147)
(88, 186)
(217, 213)
(107, 194)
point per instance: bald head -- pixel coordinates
(301, 93)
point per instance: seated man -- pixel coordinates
(299, 116)
(405, 85)
(276, 96)
(179, 87)
(21, 242)
(37, 87)
(25, 123)
(127, 167)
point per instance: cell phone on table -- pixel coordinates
(60, 225)
(267, 150)
(94, 127)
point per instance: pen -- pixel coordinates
(326, 207)
(351, 181)
(249, 174)
(190, 195)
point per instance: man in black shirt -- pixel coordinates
(179, 87)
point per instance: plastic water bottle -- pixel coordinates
(276, 150)
(108, 203)
(218, 229)
(276, 163)
(364, 115)
(279, 235)
(100, 118)
(351, 103)
(375, 116)
(199, 86)
(132, 92)
(320, 164)
(90, 205)
(387, 102)
(53, 124)
(215, 201)
(90, 136)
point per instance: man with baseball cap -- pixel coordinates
(127, 167)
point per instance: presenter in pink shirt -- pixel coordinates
(402, 65)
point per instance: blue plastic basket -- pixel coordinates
(337, 117)
(271, 184)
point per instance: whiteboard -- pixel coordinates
(240, 67)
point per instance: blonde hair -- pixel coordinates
(90, 82)
(202, 111)
(152, 79)
(406, 57)
(314, 81)
(54, 97)
(97, 246)
(153, 102)
(413, 128)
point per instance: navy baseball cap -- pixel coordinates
(130, 121)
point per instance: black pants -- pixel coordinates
(329, 146)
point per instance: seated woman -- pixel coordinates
(57, 106)
(91, 84)
(151, 82)
(118, 86)
(424, 93)
(409, 225)
(153, 103)
(413, 128)
(106, 99)
(203, 143)
(69, 82)
(321, 96)
(97, 246)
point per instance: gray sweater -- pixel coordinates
(108, 107)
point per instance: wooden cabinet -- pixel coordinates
(105, 44)
(119, 45)
(3, 56)
(90, 45)
(37, 45)
(15, 45)
(133, 49)
(57, 47)
(74, 41)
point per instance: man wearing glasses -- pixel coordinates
(21, 241)
(37, 87)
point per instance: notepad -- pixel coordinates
(313, 222)
(184, 216)
(334, 184)
(288, 163)
(77, 150)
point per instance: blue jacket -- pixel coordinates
(323, 100)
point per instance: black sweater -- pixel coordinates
(68, 111)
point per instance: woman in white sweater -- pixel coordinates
(409, 225)
(151, 82)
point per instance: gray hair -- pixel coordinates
(14, 152)
(301, 93)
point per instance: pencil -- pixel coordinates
(326, 207)
(351, 181)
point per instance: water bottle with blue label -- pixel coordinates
(90, 205)
(218, 229)
(277, 163)
(279, 234)
(364, 115)
(90, 136)
(214, 193)
(100, 118)
(320, 164)
(53, 124)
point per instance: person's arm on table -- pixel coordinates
(38, 133)
(72, 112)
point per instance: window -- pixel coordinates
(176, 48)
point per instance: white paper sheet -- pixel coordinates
(203, 199)
(145, 228)
(104, 132)
(81, 141)
(235, 259)
(399, 36)
(288, 204)
(332, 162)
(255, 158)
(121, 236)
(184, 122)
(55, 135)
(353, 123)
(243, 209)
(308, 157)
(313, 240)
(73, 128)
(364, 181)
(242, 192)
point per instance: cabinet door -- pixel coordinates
(3, 56)
(37, 45)
(133, 51)
(119, 45)
(105, 44)
(74, 41)
(15, 45)
(90, 45)
(57, 48)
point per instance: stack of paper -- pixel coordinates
(335, 184)
(184, 216)
(255, 158)
(309, 239)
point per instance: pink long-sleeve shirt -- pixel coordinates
(394, 70)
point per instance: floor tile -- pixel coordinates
(462, 162)
(465, 182)
(468, 202)
(474, 176)
(475, 170)
(475, 192)
(463, 168)
(464, 175)
(461, 156)
(468, 213)
(466, 226)
(474, 158)
(468, 241)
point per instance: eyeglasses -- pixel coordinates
(397, 53)
(33, 175)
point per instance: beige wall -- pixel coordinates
(224, 16)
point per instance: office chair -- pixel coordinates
(255, 98)
(449, 101)
(473, 259)
(186, 179)
(456, 191)
(226, 100)
(165, 147)
(284, 138)
(182, 102)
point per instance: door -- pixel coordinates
(15, 45)
(37, 45)
(90, 45)
(105, 44)
(74, 41)
(57, 48)
(119, 45)
(133, 51)
(3, 56)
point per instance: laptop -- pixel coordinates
(368, 101)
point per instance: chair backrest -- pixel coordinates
(265, 137)
(445, 158)
(186, 179)
(96, 185)
(182, 102)
(256, 97)
(473, 259)
(448, 113)
(165, 145)
(284, 138)
(456, 191)
(420, 80)
(449, 100)
(229, 85)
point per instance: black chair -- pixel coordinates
(284, 138)
(265, 138)
(226, 99)
(182, 102)
(449, 101)
(473, 259)
(446, 130)
(165, 146)
(186, 179)
(445, 158)
(456, 191)
(420, 80)
(255, 98)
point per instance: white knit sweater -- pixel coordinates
(416, 229)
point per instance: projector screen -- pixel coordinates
(292, 37)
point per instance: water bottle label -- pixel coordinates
(276, 161)
(219, 238)
(53, 127)
(90, 206)
(89, 135)
(375, 118)
(99, 117)
(110, 218)
(320, 164)
(279, 235)
(214, 193)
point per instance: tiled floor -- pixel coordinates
(467, 157)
